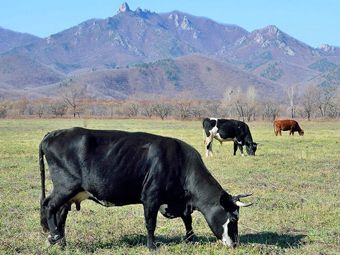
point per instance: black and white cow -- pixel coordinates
(228, 130)
(116, 168)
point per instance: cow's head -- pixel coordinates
(251, 148)
(301, 132)
(224, 219)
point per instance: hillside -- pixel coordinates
(198, 76)
(267, 57)
(11, 39)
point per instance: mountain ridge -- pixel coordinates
(139, 37)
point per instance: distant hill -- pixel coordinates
(19, 74)
(32, 73)
(268, 57)
(201, 77)
(330, 78)
(10, 39)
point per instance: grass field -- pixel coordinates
(295, 181)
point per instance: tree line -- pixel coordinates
(73, 101)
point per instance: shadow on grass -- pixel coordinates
(135, 240)
(264, 238)
(271, 238)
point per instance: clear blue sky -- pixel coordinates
(311, 21)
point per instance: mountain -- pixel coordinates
(199, 76)
(131, 37)
(20, 73)
(273, 54)
(11, 39)
(330, 78)
(142, 38)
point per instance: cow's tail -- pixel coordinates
(274, 126)
(43, 218)
(42, 172)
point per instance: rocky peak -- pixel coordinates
(271, 29)
(186, 24)
(271, 36)
(124, 7)
(269, 33)
(181, 21)
(326, 48)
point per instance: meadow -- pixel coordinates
(295, 183)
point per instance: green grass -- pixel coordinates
(295, 181)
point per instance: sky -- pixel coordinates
(311, 21)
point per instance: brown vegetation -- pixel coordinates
(315, 102)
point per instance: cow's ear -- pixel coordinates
(227, 202)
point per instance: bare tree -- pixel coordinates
(270, 109)
(308, 100)
(3, 110)
(162, 109)
(147, 108)
(230, 101)
(326, 99)
(197, 109)
(213, 109)
(133, 109)
(58, 108)
(292, 96)
(40, 106)
(183, 109)
(241, 103)
(250, 104)
(22, 105)
(111, 106)
(72, 95)
(337, 102)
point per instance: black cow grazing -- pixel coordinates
(228, 130)
(116, 168)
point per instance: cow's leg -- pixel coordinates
(235, 147)
(61, 216)
(189, 235)
(61, 220)
(43, 216)
(240, 146)
(56, 213)
(150, 215)
(208, 145)
(280, 132)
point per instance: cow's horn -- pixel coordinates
(240, 204)
(237, 197)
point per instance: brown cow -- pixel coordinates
(285, 125)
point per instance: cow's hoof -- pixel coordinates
(57, 239)
(191, 238)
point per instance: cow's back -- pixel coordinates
(124, 163)
(233, 128)
(282, 124)
(286, 124)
